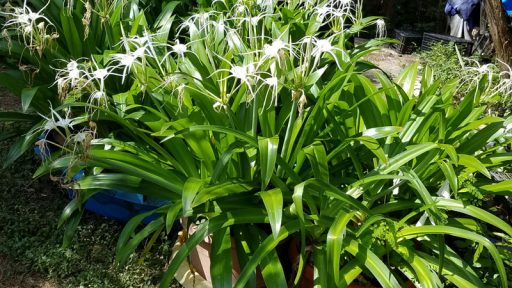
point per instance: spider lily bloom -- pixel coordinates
(218, 107)
(504, 87)
(272, 84)
(266, 5)
(54, 122)
(235, 41)
(179, 49)
(473, 72)
(197, 24)
(321, 47)
(381, 28)
(275, 50)
(126, 61)
(245, 74)
(340, 13)
(69, 77)
(99, 74)
(324, 14)
(30, 25)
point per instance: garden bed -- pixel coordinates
(31, 254)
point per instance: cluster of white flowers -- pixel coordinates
(235, 46)
(34, 28)
(499, 83)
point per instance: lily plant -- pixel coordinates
(258, 118)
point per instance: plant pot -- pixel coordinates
(200, 257)
(200, 260)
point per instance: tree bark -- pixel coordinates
(501, 36)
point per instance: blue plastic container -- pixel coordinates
(113, 204)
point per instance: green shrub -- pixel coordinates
(443, 59)
(257, 119)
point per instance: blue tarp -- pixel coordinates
(462, 7)
(507, 4)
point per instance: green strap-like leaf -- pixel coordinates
(266, 247)
(268, 156)
(245, 216)
(318, 160)
(371, 261)
(472, 163)
(334, 243)
(414, 232)
(190, 189)
(221, 267)
(273, 200)
(473, 211)
(399, 160)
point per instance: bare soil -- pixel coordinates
(390, 61)
(8, 102)
(13, 277)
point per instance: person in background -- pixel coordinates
(463, 17)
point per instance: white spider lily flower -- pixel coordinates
(218, 107)
(82, 136)
(99, 75)
(324, 13)
(444, 191)
(272, 81)
(504, 87)
(321, 47)
(381, 28)
(68, 77)
(341, 3)
(32, 26)
(98, 95)
(246, 74)
(219, 27)
(272, 51)
(239, 72)
(234, 41)
(277, 50)
(197, 23)
(267, 5)
(273, 88)
(141, 46)
(55, 121)
(241, 10)
(126, 61)
(179, 48)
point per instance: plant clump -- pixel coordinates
(256, 118)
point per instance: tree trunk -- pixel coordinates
(501, 36)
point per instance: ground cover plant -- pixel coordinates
(256, 121)
(31, 244)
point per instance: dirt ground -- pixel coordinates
(7, 101)
(390, 61)
(11, 277)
